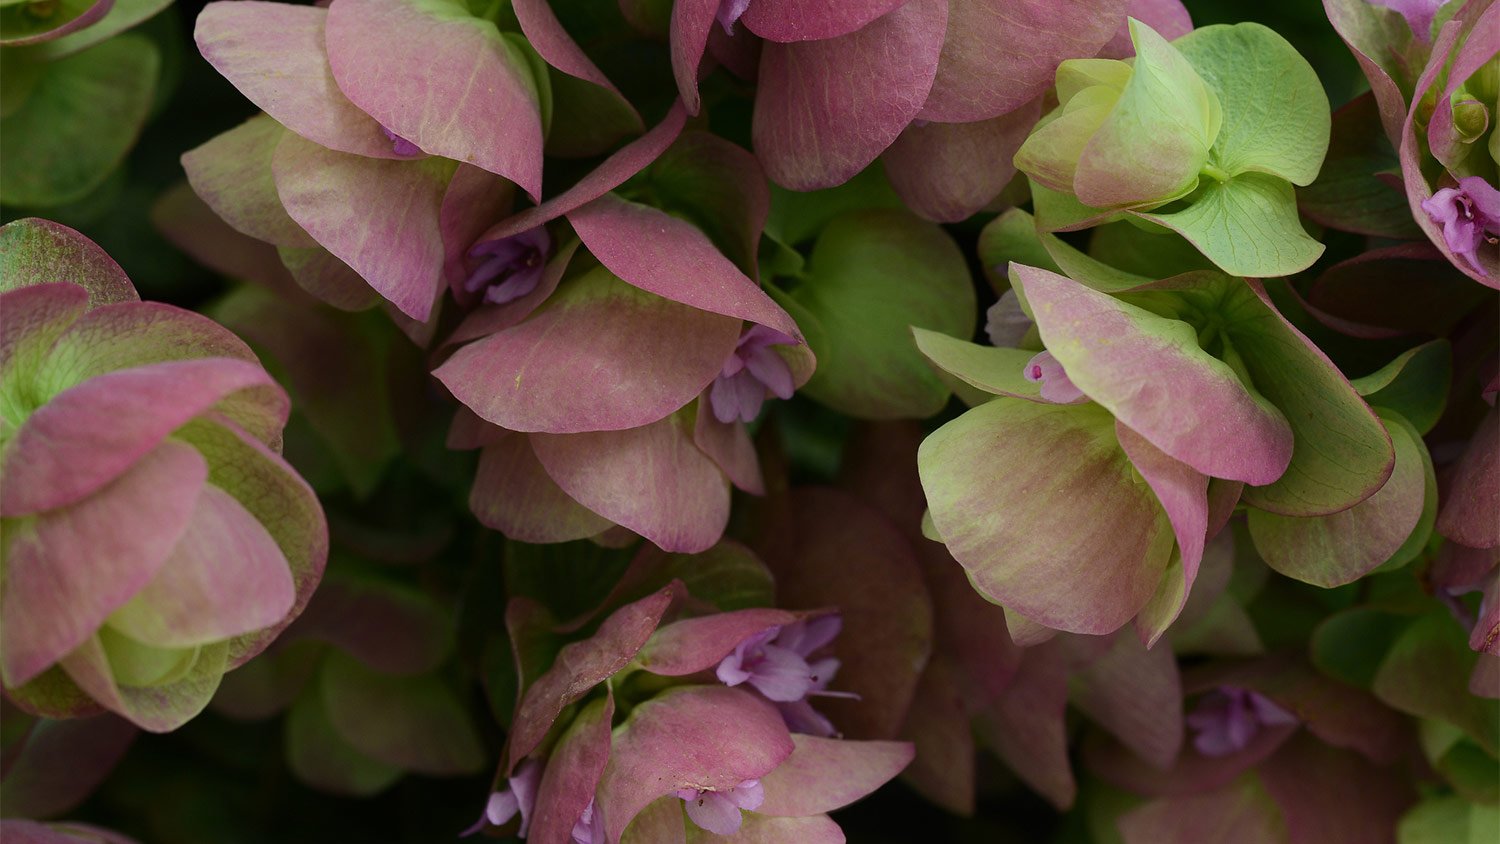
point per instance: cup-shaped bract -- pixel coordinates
(153, 536)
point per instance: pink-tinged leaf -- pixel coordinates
(674, 259)
(514, 494)
(1152, 374)
(985, 72)
(17, 831)
(722, 188)
(23, 26)
(932, 165)
(157, 709)
(1379, 40)
(1183, 493)
(624, 163)
(1485, 637)
(695, 644)
(319, 757)
(572, 773)
(1473, 499)
(708, 738)
(232, 173)
(68, 569)
(1193, 774)
(1329, 796)
(490, 318)
(31, 320)
(601, 355)
(728, 444)
(1479, 47)
(553, 43)
(474, 198)
(937, 725)
(652, 480)
(90, 434)
(267, 486)
(59, 763)
(1168, 17)
(1342, 547)
(417, 723)
(1136, 694)
(1025, 726)
(35, 251)
(971, 632)
(1019, 523)
(275, 54)
(825, 109)
(580, 666)
(1409, 288)
(1241, 813)
(1485, 680)
(761, 829)
(447, 81)
(380, 217)
(692, 22)
(390, 628)
(226, 577)
(321, 273)
(824, 774)
(812, 20)
(263, 687)
(842, 552)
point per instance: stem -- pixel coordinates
(1217, 174)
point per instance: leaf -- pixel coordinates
(1448, 820)
(1276, 118)
(872, 275)
(81, 118)
(417, 723)
(1414, 385)
(1247, 226)
(1426, 674)
(997, 371)
(29, 23)
(1349, 194)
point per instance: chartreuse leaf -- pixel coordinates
(1449, 820)
(997, 371)
(1341, 453)
(1246, 225)
(1426, 674)
(1276, 118)
(78, 121)
(873, 275)
(1414, 385)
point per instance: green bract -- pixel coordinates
(1204, 136)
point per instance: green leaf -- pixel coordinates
(78, 122)
(1426, 674)
(1449, 820)
(997, 371)
(123, 15)
(1276, 118)
(568, 578)
(873, 275)
(21, 21)
(1132, 249)
(1247, 226)
(1472, 772)
(319, 757)
(1414, 385)
(1341, 453)
(797, 216)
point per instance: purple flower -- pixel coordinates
(730, 12)
(511, 267)
(1045, 369)
(519, 796)
(400, 145)
(1227, 718)
(590, 826)
(1005, 323)
(752, 371)
(719, 811)
(1469, 215)
(775, 662)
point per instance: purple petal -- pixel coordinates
(713, 812)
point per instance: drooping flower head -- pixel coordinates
(509, 267)
(753, 372)
(1469, 215)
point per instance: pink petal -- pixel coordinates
(651, 479)
(601, 355)
(490, 318)
(394, 59)
(232, 173)
(91, 434)
(699, 737)
(275, 54)
(782, 676)
(812, 20)
(697, 644)
(513, 494)
(225, 577)
(35, 251)
(714, 813)
(983, 73)
(580, 666)
(674, 259)
(932, 165)
(1150, 373)
(823, 775)
(379, 217)
(826, 109)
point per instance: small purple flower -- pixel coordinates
(775, 662)
(1469, 215)
(590, 826)
(400, 145)
(1005, 323)
(509, 267)
(730, 12)
(719, 811)
(519, 795)
(752, 371)
(1045, 369)
(1227, 718)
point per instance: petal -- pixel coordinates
(1150, 372)
(35, 251)
(395, 59)
(1025, 726)
(701, 737)
(514, 494)
(473, 198)
(825, 109)
(274, 54)
(552, 42)
(692, 21)
(824, 774)
(379, 217)
(697, 644)
(232, 173)
(651, 479)
(728, 444)
(70, 568)
(931, 165)
(781, 675)
(812, 20)
(714, 812)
